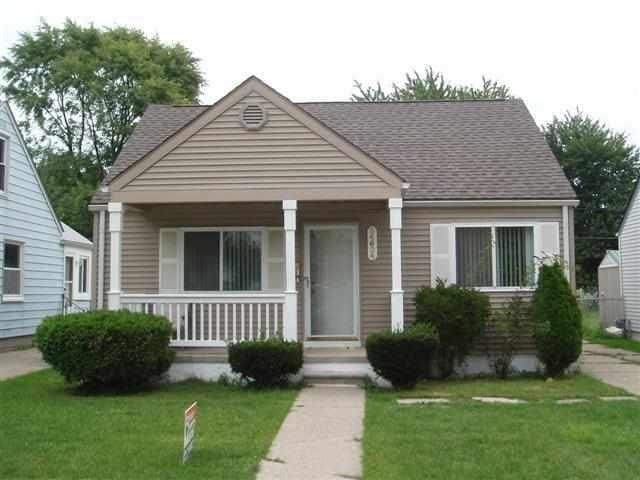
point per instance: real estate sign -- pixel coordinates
(190, 416)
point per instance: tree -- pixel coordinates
(603, 167)
(431, 86)
(70, 180)
(557, 320)
(85, 87)
(82, 89)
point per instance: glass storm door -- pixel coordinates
(331, 283)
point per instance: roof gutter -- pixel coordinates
(491, 203)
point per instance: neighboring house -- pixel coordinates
(609, 275)
(30, 238)
(610, 301)
(629, 251)
(78, 252)
(319, 221)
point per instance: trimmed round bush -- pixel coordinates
(459, 316)
(266, 362)
(119, 349)
(557, 319)
(402, 358)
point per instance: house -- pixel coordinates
(30, 238)
(610, 303)
(318, 221)
(629, 252)
(609, 275)
(78, 253)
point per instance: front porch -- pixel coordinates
(325, 273)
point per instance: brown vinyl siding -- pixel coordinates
(141, 229)
(416, 265)
(284, 154)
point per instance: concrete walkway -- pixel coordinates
(20, 362)
(320, 438)
(616, 367)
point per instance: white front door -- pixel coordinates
(332, 305)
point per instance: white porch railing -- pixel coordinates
(213, 319)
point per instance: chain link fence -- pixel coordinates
(599, 312)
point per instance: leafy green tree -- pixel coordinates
(70, 180)
(85, 87)
(431, 85)
(82, 90)
(603, 167)
(557, 320)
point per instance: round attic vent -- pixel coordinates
(253, 116)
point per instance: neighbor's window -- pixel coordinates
(83, 269)
(68, 279)
(507, 250)
(237, 254)
(3, 164)
(12, 270)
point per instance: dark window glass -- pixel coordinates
(473, 257)
(202, 261)
(11, 255)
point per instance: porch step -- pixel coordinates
(341, 380)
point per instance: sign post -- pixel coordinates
(190, 416)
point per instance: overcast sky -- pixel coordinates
(556, 55)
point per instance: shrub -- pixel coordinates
(402, 357)
(509, 324)
(459, 316)
(118, 349)
(266, 362)
(557, 320)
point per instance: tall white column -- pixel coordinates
(289, 208)
(115, 232)
(397, 295)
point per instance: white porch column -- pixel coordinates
(290, 293)
(115, 231)
(397, 300)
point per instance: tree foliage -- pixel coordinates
(603, 167)
(557, 319)
(82, 89)
(431, 85)
(70, 180)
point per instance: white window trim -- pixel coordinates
(77, 255)
(4, 136)
(493, 226)
(83, 295)
(180, 231)
(19, 297)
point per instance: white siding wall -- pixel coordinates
(26, 217)
(629, 247)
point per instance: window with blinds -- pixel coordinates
(221, 260)
(507, 250)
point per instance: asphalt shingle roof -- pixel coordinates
(462, 150)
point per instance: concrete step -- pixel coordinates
(335, 381)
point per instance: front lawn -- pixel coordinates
(470, 440)
(49, 431)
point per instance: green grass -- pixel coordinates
(48, 431)
(594, 333)
(468, 440)
(526, 388)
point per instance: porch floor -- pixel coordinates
(311, 355)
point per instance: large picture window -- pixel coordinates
(219, 259)
(495, 256)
